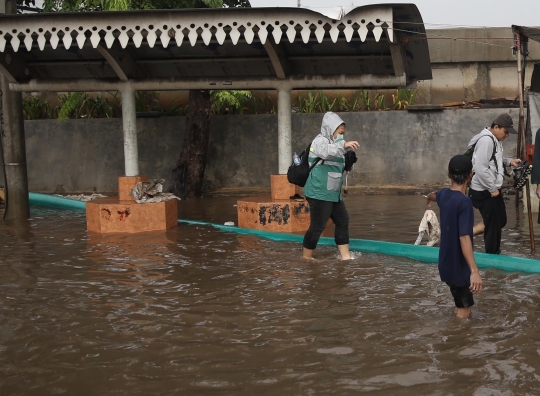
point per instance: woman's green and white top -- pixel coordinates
(326, 178)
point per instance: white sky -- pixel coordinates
(492, 13)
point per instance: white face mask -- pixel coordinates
(338, 138)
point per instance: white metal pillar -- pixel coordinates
(284, 129)
(129, 124)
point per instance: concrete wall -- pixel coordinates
(398, 148)
(473, 64)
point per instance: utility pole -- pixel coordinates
(298, 3)
(521, 148)
(13, 146)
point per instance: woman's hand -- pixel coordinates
(515, 162)
(538, 190)
(353, 144)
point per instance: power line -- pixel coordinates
(453, 38)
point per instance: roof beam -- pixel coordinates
(279, 62)
(120, 60)
(13, 67)
(397, 60)
(174, 84)
(85, 62)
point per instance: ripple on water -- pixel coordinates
(195, 311)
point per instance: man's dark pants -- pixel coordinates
(320, 212)
(493, 211)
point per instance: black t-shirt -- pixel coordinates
(457, 219)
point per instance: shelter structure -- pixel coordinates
(375, 46)
(522, 35)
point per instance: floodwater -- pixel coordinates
(195, 311)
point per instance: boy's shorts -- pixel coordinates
(463, 297)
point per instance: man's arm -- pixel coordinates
(467, 249)
(431, 197)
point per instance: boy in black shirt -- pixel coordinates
(457, 266)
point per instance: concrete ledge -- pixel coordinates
(425, 107)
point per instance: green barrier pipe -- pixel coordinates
(426, 254)
(51, 201)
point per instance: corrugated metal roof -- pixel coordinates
(214, 43)
(532, 33)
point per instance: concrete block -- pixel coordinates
(281, 188)
(111, 215)
(126, 184)
(264, 213)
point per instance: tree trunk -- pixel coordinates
(187, 178)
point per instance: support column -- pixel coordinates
(129, 124)
(284, 129)
(14, 148)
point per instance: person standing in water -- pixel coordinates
(457, 266)
(323, 186)
(485, 190)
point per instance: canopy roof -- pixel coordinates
(204, 44)
(532, 33)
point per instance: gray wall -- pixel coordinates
(398, 148)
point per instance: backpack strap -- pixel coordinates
(494, 155)
(315, 163)
(316, 160)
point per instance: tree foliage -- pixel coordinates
(232, 102)
(118, 5)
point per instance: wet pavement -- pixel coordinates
(194, 311)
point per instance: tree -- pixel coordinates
(189, 171)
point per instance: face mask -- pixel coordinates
(338, 139)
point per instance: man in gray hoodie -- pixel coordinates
(485, 189)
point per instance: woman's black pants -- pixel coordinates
(320, 212)
(493, 211)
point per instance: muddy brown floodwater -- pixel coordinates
(195, 311)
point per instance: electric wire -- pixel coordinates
(453, 38)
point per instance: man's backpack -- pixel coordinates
(298, 174)
(470, 151)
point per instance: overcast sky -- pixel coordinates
(448, 12)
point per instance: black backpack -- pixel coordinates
(470, 151)
(298, 174)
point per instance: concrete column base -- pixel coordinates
(126, 184)
(265, 213)
(275, 212)
(281, 188)
(110, 215)
(124, 215)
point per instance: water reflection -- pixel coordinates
(197, 311)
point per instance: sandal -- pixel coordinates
(296, 197)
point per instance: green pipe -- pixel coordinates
(426, 254)
(51, 201)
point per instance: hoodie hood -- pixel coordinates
(485, 132)
(330, 123)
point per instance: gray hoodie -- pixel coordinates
(486, 175)
(325, 179)
(323, 145)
